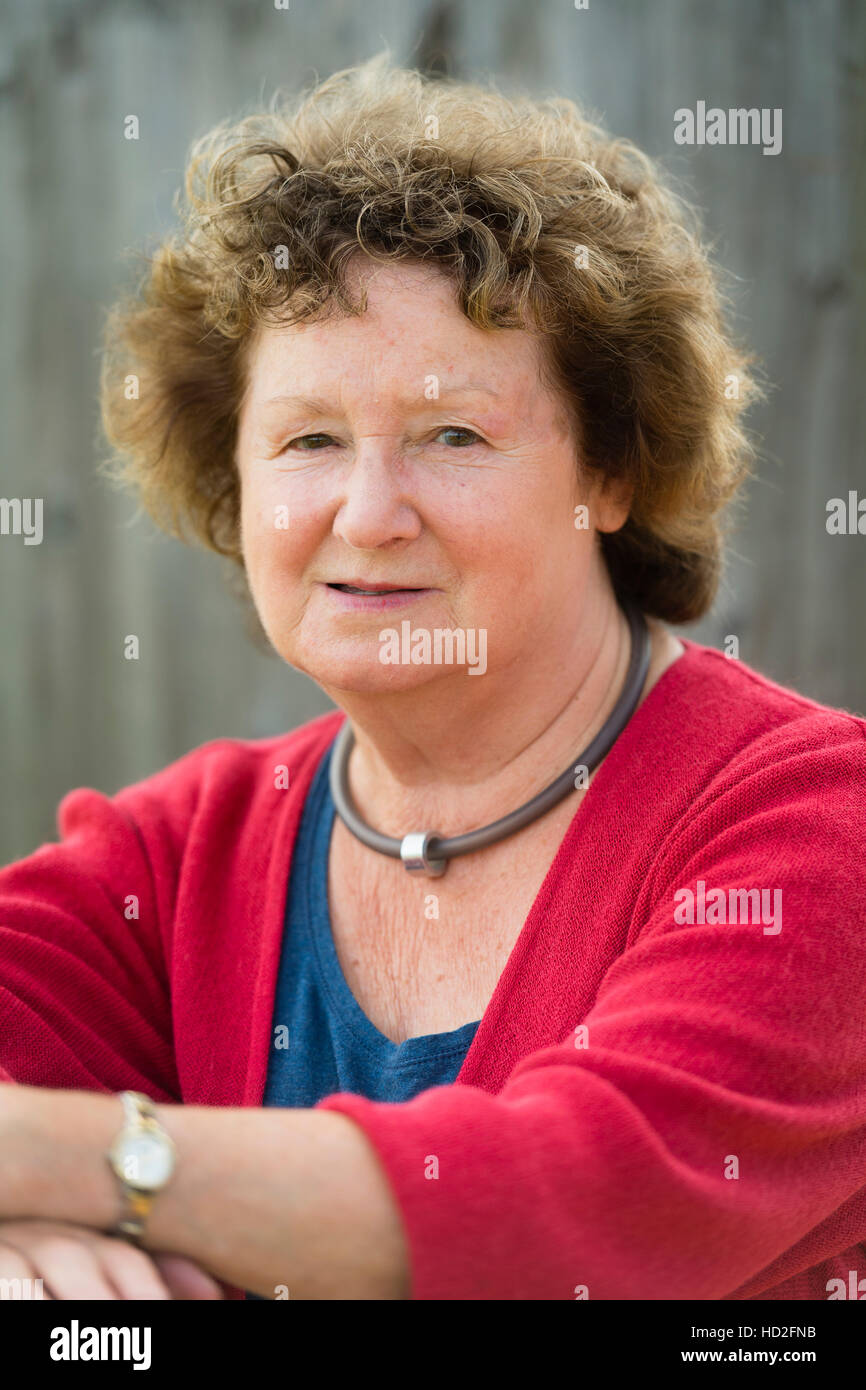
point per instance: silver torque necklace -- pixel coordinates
(424, 851)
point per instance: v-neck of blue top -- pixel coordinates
(321, 1040)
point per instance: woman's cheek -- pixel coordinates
(265, 526)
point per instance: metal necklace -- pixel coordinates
(424, 851)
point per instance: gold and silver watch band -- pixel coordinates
(142, 1158)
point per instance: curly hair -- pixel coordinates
(540, 218)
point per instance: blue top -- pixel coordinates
(321, 1039)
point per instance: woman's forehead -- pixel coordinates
(411, 327)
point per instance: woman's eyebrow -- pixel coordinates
(316, 404)
(306, 402)
(458, 388)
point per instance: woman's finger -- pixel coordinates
(80, 1263)
(132, 1271)
(141, 1274)
(185, 1279)
(66, 1265)
(15, 1266)
(129, 1273)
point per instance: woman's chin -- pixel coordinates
(362, 673)
(365, 678)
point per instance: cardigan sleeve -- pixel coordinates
(84, 1000)
(716, 1115)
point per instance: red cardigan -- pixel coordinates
(703, 1137)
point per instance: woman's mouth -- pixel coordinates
(374, 596)
(354, 589)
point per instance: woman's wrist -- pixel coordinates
(52, 1155)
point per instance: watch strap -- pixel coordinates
(139, 1116)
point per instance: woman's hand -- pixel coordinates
(75, 1262)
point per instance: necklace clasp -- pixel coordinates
(414, 852)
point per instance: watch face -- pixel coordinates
(143, 1160)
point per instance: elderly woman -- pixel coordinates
(536, 969)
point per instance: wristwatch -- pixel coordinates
(142, 1158)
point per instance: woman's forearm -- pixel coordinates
(285, 1203)
(281, 1201)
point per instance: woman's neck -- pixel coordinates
(428, 759)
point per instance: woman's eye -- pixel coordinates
(310, 442)
(455, 436)
(464, 437)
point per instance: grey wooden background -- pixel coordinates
(76, 195)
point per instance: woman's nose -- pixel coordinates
(375, 505)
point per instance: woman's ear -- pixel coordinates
(612, 503)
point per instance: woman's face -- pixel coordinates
(410, 451)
